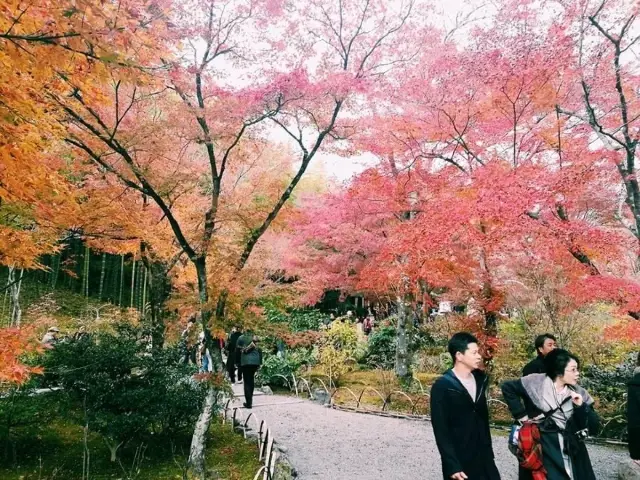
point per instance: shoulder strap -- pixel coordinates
(551, 412)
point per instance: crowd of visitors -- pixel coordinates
(553, 415)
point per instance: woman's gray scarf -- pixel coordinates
(562, 410)
(541, 390)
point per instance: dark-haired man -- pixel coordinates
(544, 344)
(460, 416)
(250, 361)
(232, 357)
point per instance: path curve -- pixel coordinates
(323, 443)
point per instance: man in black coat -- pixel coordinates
(232, 361)
(633, 414)
(544, 343)
(460, 416)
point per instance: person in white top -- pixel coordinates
(460, 415)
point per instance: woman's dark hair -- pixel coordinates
(460, 343)
(555, 363)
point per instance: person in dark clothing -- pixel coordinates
(564, 413)
(189, 341)
(460, 415)
(545, 344)
(250, 361)
(633, 414)
(230, 347)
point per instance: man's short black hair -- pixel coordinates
(540, 339)
(192, 319)
(460, 343)
(555, 363)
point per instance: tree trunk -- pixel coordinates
(55, 272)
(199, 440)
(144, 293)
(139, 288)
(403, 357)
(113, 448)
(16, 284)
(6, 294)
(133, 281)
(158, 288)
(11, 278)
(121, 280)
(103, 270)
(87, 259)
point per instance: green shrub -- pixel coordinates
(292, 362)
(298, 320)
(609, 386)
(273, 367)
(127, 393)
(23, 411)
(342, 336)
(302, 320)
(382, 348)
(335, 363)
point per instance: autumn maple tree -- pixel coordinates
(481, 178)
(219, 119)
(505, 153)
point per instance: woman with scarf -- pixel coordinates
(564, 414)
(633, 414)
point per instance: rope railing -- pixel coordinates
(266, 452)
(373, 390)
(422, 398)
(398, 392)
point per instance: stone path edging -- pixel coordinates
(299, 385)
(275, 465)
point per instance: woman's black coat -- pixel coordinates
(520, 403)
(633, 416)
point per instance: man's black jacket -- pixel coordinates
(534, 366)
(461, 426)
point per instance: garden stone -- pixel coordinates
(266, 390)
(628, 470)
(321, 396)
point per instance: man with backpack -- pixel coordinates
(460, 415)
(250, 361)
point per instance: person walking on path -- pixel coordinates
(633, 414)
(232, 360)
(460, 415)
(368, 325)
(564, 413)
(250, 361)
(544, 344)
(189, 341)
(204, 359)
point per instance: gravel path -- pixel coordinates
(329, 444)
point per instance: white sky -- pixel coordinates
(342, 169)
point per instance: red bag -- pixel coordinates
(530, 450)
